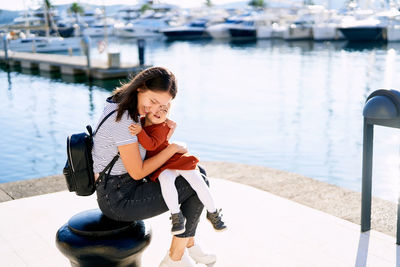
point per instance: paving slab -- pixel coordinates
(264, 230)
(332, 199)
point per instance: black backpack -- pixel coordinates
(78, 170)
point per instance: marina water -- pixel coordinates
(294, 106)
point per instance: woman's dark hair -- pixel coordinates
(156, 79)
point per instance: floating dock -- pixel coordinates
(71, 65)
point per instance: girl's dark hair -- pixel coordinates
(156, 79)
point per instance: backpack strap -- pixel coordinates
(105, 118)
(109, 168)
(112, 162)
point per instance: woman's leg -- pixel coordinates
(196, 181)
(130, 200)
(168, 190)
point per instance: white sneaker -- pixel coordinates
(185, 261)
(200, 256)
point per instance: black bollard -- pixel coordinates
(141, 44)
(381, 108)
(91, 239)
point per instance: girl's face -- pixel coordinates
(158, 117)
(152, 101)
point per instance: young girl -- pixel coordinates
(154, 138)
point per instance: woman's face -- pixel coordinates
(152, 101)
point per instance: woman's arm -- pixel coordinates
(137, 168)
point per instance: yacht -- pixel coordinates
(253, 27)
(302, 27)
(391, 20)
(326, 27)
(148, 27)
(43, 44)
(102, 28)
(298, 30)
(369, 29)
(221, 30)
(195, 29)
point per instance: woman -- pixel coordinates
(123, 194)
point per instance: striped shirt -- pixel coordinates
(111, 135)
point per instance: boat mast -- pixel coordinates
(46, 15)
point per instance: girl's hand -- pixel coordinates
(180, 147)
(172, 125)
(135, 128)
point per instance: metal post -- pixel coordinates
(141, 44)
(367, 176)
(86, 51)
(398, 224)
(5, 43)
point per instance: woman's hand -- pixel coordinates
(172, 125)
(180, 147)
(135, 128)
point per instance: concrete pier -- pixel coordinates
(263, 230)
(71, 65)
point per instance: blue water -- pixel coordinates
(291, 106)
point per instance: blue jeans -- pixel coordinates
(122, 198)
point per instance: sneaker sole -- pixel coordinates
(221, 230)
(178, 232)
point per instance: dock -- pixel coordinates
(71, 65)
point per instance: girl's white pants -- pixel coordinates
(193, 177)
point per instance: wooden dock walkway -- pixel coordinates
(70, 65)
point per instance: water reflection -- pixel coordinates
(295, 106)
(360, 46)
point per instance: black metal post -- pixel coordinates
(367, 176)
(86, 50)
(141, 45)
(5, 44)
(398, 223)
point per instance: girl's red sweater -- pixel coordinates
(153, 138)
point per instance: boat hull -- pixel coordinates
(189, 34)
(362, 34)
(243, 33)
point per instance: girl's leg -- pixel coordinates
(196, 181)
(168, 190)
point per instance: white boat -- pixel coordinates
(195, 29)
(141, 28)
(369, 29)
(390, 19)
(326, 26)
(298, 31)
(277, 30)
(302, 27)
(327, 31)
(105, 27)
(221, 30)
(253, 27)
(43, 44)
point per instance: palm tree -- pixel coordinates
(145, 7)
(257, 3)
(209, 3)
(76, 9)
